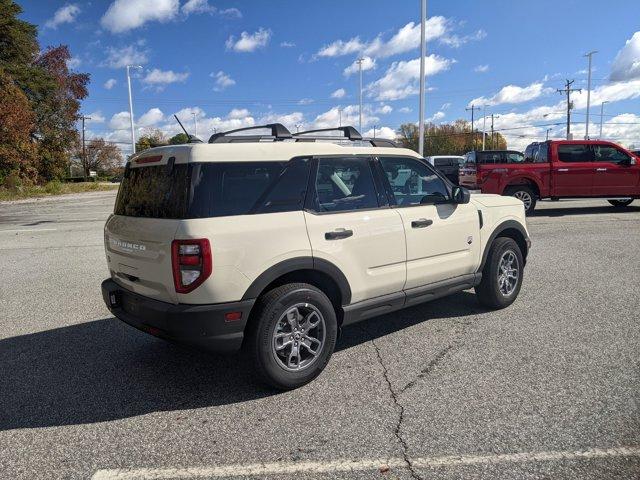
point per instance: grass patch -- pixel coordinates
(54, 187)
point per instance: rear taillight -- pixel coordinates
(192, 263)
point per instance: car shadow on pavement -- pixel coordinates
(105, 370)
(571, 211)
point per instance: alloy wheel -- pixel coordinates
(299, 337)
(508, 273)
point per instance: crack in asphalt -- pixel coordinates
(435, 361)
(396, 432)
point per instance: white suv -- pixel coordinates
(274, 242)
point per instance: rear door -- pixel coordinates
(350, 224)
(138, 236)
(442, 237)
(616, 173)
(573, 170)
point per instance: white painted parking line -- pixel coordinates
(30, 230)
(334, 466)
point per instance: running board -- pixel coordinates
(374, 307)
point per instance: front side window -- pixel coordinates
(490, 157)
(605, 153)
(574, 153)
(413, 183)
(344, 184)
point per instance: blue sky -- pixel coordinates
(238, 63)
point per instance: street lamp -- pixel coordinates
(601, 117)
(133, 133)
(359, 61)
(423, 53)
(586, 132)
(195, 121)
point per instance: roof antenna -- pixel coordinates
(190, 138)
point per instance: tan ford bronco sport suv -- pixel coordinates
(272, 243)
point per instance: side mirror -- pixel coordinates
(460, 195)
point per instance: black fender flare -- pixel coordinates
(300, 263)
(509, 224)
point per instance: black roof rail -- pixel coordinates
(381, 142)
(350, 133)
(278, 132)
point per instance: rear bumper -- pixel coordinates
(203, 326)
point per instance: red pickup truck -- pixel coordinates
(556, 169)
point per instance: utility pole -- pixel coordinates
(359, 61)
(493, 141)
(133, 133)
(586, 132)
(568, 91)
(423, 54)
(473, 133)
(84, 150)
(374, 131)
(601, 117)
(340, 116)
(548, 130)
(484, 124)
(195, 120)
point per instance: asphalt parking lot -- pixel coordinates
(548, 388)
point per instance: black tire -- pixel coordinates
(270, 309)
(524, 193)
(621, 203)
(488, 291)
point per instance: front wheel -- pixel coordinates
(501, 275)
(293, 335)
(621, 203)
(525, 194)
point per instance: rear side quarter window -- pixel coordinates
(574, 153)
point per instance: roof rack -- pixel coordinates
(278, 132)
(350, 133)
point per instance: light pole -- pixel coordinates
(601, 117)
(359, 61)
(484, 124)
(195, 121)
(548, 130)
(133, 133)
(84, 150)
(423, 53)
(586, 132)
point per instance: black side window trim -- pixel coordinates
(310, 200)
(392, 198)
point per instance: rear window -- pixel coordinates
(202, 190)
(574, 153)
(446, 162)
(499, 157)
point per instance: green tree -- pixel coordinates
(150, 139)
(179, 139)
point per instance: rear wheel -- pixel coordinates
(621, 203)
(501, 275)
(293, 335)
(525, 194)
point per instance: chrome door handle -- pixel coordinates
(338, 234)
(563, 169)
(601, 169)
(421, 223)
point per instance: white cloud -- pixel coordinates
(109, 84)
(249, 42)
(407, 38)
(626, 65)
(439, 115)
(73, 63)
(481, 69)
(456, 41)
(513, 94)
(368, 63)
(121, 57)
(197, 6)
(230, 13)
(120, 121)
(151, 118)
(66, 14)
(124, 15)
(405, 110)
(385, 109)
(287, 44)
(289, 120)
(402, 78)
(381, 132)
(237, 113)
(348, 114)
(305, 101)
(611, 92)
(222, 81)
(445, 106)
(96, 117)
(339, 93)
(159, 78)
